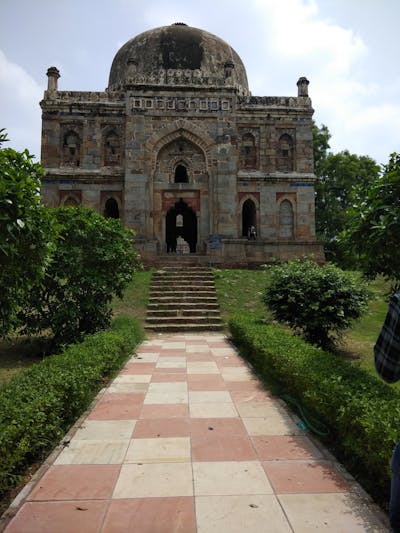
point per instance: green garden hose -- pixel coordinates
(307, 422)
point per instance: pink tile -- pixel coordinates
(174, 370)
(171, 352)
(165, 411)
(117, 406)
(219, 344)
(206, 385)
(217, 426)
(148, 349)
(202, 356)
(230, 360)
(218, 447)
(138, 368)
(151, 515)
(76, 482)
(165, 427)
(304, 477)
(247, 385)
(274, 447)
(210, 378)
(168, 377)
(60, 517)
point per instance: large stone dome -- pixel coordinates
(179, 56)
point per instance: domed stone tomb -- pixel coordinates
(179, 149)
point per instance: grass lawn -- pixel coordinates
(134, 301)
(16, 355)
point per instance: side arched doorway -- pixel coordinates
(181, 221)
(249, 216)
(111, 209)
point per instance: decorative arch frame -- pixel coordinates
(291, 199)
(249, 150)
(67, 157)
(108, 131)
(180, 129)
(286, 163)
(67, 196)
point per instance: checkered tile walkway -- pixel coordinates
(185, 440)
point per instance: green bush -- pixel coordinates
(319, 301)
(93, 261)
(361, 412)
(38, 406)
(26, 232)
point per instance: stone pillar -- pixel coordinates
(53, 74)
(302, 86)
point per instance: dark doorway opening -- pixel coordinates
(111, 209)
(181, 174)
(181, 221)
(248, 216)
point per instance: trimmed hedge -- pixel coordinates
(361, 412)
(38, 406)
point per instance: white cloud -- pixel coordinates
(20, 113)
(347, 97)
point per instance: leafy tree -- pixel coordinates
(340, 178)
(94, 259)
(318, 301)
(374, 225)
(26, 232)
(321, 146)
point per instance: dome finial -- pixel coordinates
(178, 24)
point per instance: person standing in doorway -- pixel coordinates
(387, 364)
(252, 234)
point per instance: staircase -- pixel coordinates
(183, 298)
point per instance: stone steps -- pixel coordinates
(182, 298)
(184, 306)
(187, 299)
(181, 313)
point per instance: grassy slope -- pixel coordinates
(243, 289)
(134, 301)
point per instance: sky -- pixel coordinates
(348, 50)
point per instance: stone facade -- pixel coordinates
(179, 150)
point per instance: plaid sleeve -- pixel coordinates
(387, 347)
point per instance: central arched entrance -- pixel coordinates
(181, 221)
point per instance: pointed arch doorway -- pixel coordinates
(249, 216)
(181, 221)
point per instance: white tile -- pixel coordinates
(212, 410)
(330, 512)
(240, 514)
(159, 450)
(165, 397)
(93, 452)
(105, 429)
(230, 478)
(209, 396)
(154, 480)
